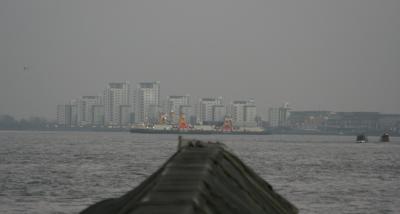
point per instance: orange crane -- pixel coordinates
(228, 126)
(182, 124)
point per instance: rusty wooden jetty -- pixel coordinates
(201, 177)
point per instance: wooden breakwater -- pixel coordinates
(199, 178)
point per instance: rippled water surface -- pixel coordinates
(63, 172)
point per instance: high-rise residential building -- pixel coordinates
(204, 109)
(74, 112)
(244, 113)
(164, 106)
(84, 109)
(67, 114)
(147, 97)
(219, 113)
(187, 111)
(237, 111)
(174, 104)
(98, 115)
(250, 114)
(64, 115)
(153, 114)
(115, 95)
(277, 117)
(125, 115)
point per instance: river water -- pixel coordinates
(63, 172)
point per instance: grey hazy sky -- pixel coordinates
(339, 55)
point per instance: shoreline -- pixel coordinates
(374, 133)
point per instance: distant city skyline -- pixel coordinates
(121, 105)
(262, 111)
(317, 55)
(129, 105)
(143, 107)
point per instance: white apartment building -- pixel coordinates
(237, 111)
(115, 95)
(64, 115)
(85, 109)
(219, 113)
(205, 108)
(250, 114)
(174, 104)
(98, 115)
(74, 112)
(147, 94)
(187, 111)
(244, 113)
(125, 115)
(277, 117)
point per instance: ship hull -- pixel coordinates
(196, 132)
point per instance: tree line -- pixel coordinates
(8, 122)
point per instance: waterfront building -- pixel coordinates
(174, 104)
(164, 106)
(74, 112)
(98, 115)
(153, 114)
(64, 115)
(115, 95)
(308, 120)
(353, 121)
(187, 111)
(244, 113)
(237, 111)
(125, 115)
(67, 114)
(147, 94)
(344, 122)
(277, 117)
(390, 122)
(250, 115)
(204, 109)
(219, 113)
(84, 109)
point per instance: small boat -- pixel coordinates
(361, 138)
(385, 137)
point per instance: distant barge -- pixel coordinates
(197, 132)
(184, 128)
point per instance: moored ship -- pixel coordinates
(196, 131)
(184, 128)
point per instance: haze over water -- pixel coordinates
(334, 55)
(63, 172)
(315, 54)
